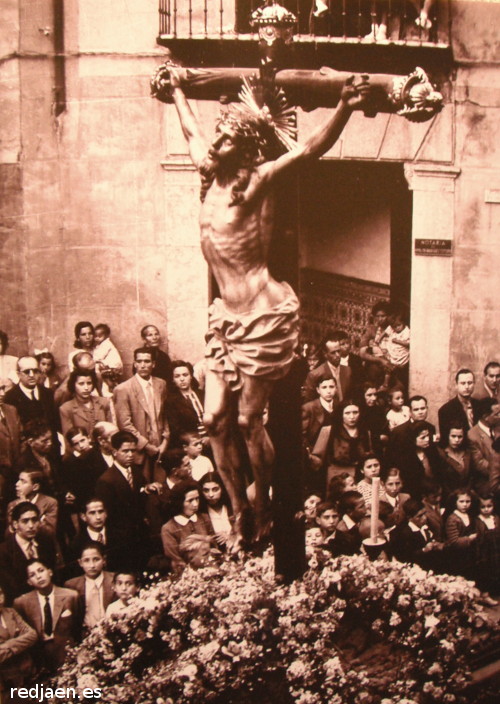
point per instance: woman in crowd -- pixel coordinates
(47, 366)
(184, 405)
(455, 458)
(84, 340)
(348, 441)
(419, 461)
(163, 366)
(216, 505)
(374, 418)
(188, 536)
(84, 409)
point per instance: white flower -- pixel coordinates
(189, 672)
(395, 620)
(333, 668)
(297, 669)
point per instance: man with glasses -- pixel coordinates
(33, 401)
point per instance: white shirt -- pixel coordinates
(327, 406)
(24, 544)
(184, 520)
(200, 466)
(30, 393)
(116, 607)
(124, 471)
(349, 523)
(220, 521)
(108, 459)
(94, 535)
(489, 521)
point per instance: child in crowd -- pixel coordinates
(327, 518)
(125, 587)
(338, 485)
(369, 468)
(28, 488)
(314, 546)
(393, 494)
(95, 586)
(107, 359)
(488, 546)
(192, 445)
(352, 508)
(432, 496)
(308, 514)
(460, 534)
(398, 413)
(398, 341)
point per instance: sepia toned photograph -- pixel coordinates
(249, 351)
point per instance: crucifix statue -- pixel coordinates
(253, 327)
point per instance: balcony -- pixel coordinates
(355, 35)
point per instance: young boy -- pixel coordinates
(432, 495)
(352, 507)
(94, 518)
(327, 518)
(28, 488)
(193, 446)
(52, 612)
(125, 587)
(95, 586)
(394, 496)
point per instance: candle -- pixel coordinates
(374, 509)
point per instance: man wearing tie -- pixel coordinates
(26, 544)
(53, 612)
(122, 488)
(139, 403)
(31, 400)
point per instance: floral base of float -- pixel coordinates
(352, 630)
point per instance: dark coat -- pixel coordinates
(453, 410)
(181, 415)
(29, 409)
(13, 562)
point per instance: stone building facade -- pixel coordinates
(99, 201)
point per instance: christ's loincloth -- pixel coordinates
(259, 343)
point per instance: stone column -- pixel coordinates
(433, 189)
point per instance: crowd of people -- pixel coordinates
(103, 479)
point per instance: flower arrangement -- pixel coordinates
(351, 631)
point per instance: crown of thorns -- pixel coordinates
(268, 123)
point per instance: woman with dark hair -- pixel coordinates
(84, 340)
(456, 459)
(47, 367)
(188, 536)
(348, 442)
(419, 461)
(84, 409)
(163, 365)
(8, 363)
(216, 505)
(184, 405)
(374, 418)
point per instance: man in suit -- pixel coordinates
(490, 387)
(139, 404)
(95, 529)
(122, 488)
(31, 400)
(95, 586)
(331, 366)
(22, 546)
(480, 438)
(53, 612)
(401, 437)
(463, 407)
(10, 433)
(16, 640)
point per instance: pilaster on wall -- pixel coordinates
(186, 275)
(433, 189)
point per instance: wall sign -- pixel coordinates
(433, 248)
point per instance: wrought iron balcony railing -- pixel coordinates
(382, 22)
